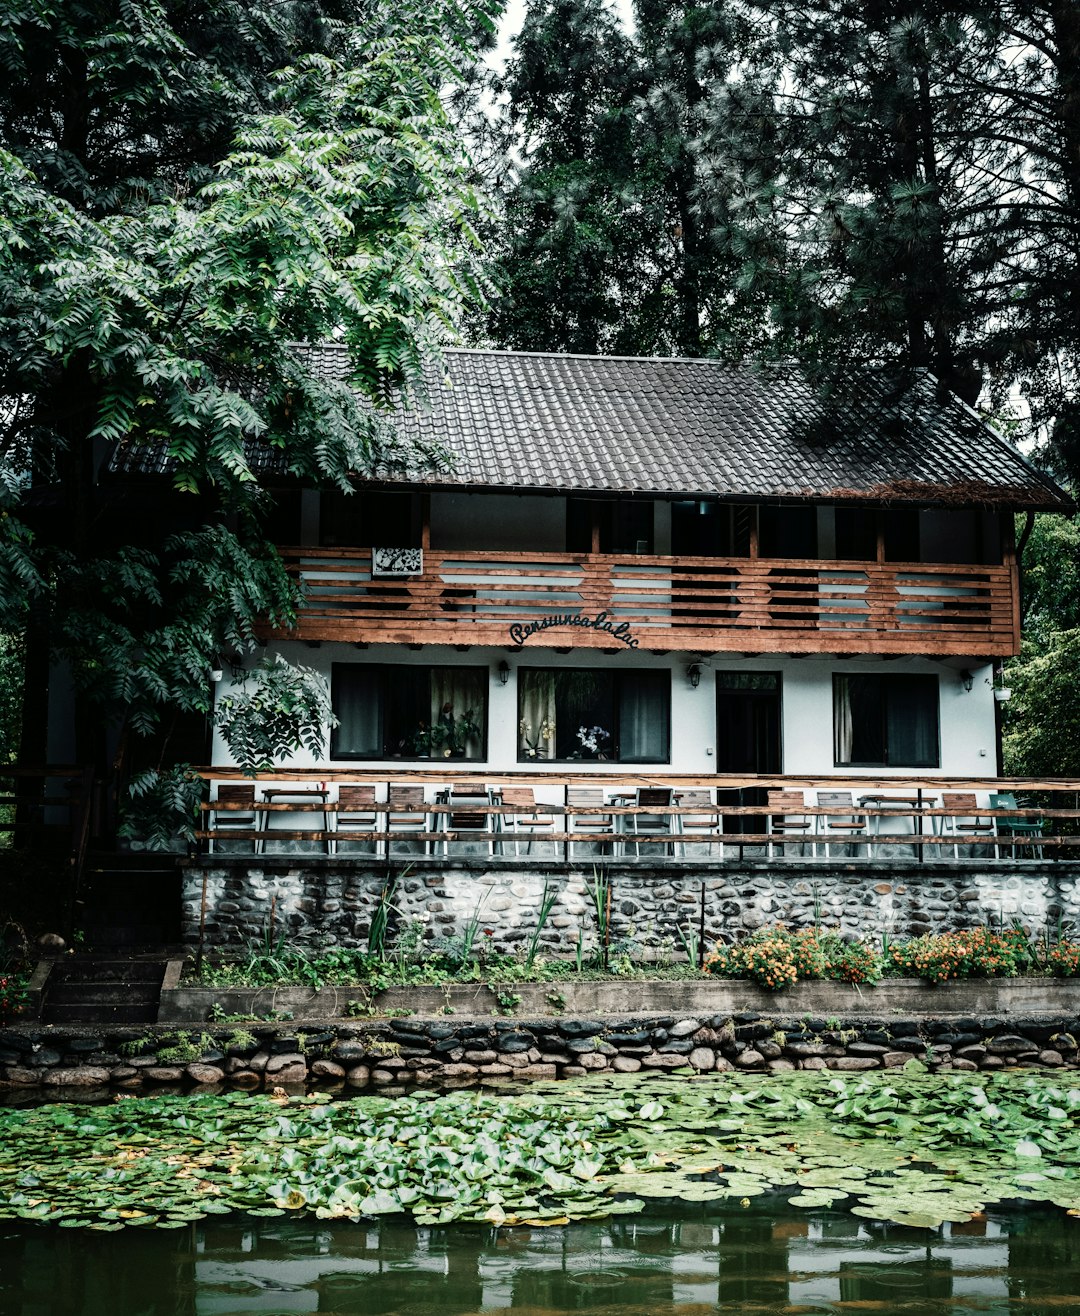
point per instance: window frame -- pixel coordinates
(383, 670)
(885, 678)
(617, 674)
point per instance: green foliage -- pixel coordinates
(776, 958)
(908, 1147)
(272, 712)
(613, 236)
(508, 1001)
(381, 918)
(1041, 727)
(281, 966)
(189, 197)
(12, 658)
(850, 961)
(974, 953)
(162, 808)
(548, 899)
(14, 994)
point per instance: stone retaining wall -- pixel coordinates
(329, 902)
(404, 1052)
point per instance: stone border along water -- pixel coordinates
(443, 1053)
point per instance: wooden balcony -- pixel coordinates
(700, 604)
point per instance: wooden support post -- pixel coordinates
(701, 931)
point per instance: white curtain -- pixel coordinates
(456, 696)
(536, 725)
(843, 723)
(358, 705)
(643, 717)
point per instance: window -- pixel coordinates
(570, 713)
(624, 525)
(886, 721)
(788, 531)
(409, 712)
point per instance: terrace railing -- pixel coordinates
(706, 604)
(884, 818)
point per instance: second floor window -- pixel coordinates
(886, 721)
(601, 714)
(409, 712)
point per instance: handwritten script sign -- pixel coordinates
(521, 631)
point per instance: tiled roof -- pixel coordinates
(520, 420)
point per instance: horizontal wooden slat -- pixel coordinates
(703, 604)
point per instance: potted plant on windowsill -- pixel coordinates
(593, 742)
(451, 734)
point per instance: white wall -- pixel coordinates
(966, 718)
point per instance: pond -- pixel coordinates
(681, 1259)
(900, 1191)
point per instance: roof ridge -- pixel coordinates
(590, 356)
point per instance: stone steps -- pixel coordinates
(103, 991)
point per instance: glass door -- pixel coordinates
(748, 739)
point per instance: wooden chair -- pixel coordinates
(963, 820)
(787, 816)
(845, 822)
(413, 816)
(587, 825)
(247, 819)
(703, 826)
(653, 824)
(526, 819)
(356, 812)
(1030, 826)
(466, 814)
(303, 802)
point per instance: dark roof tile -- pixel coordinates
(516, 420)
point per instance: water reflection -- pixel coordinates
(685, 1261)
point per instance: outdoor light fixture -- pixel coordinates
(504, 672)
(693, 675)
(217, 675)
(967, 680)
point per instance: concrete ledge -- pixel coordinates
(992, 996)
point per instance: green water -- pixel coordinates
(680, 1260)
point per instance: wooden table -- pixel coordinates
(911, 805)
(302, 795)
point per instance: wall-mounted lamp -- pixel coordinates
(693, 675)
(504, 672)
(967, 680)
(217, 675)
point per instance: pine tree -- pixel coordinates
(878, 127)
(570, 241)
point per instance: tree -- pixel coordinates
(1041, 723)
(1035, 134)
(608, 240)
(873, 185)
(569, 244)
(178, 217)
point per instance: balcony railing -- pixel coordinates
(531, 815)
(704, 604)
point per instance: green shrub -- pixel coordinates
(972, 953)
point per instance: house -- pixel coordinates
(682, 576)
(679, 564)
